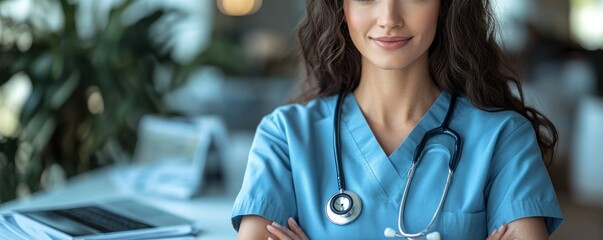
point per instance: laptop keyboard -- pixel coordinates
(101, 219)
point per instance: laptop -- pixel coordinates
(117, 219)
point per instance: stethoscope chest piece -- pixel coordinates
(343, 207)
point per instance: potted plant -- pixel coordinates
(87, 94)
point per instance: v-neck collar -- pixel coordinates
(390, 171)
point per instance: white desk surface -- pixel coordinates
(211, 210)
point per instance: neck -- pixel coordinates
(391, 98)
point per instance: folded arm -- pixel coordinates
(257, 227)
(254, 227)
(525, 228)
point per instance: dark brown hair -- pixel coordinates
(464, 59)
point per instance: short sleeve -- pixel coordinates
(519, 184)
(267, 188)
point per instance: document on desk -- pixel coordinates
(122, 219)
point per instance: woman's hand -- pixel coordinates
(498, 234)
(294, 232)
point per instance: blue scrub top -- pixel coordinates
(500, 176)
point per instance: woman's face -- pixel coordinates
(392, 34)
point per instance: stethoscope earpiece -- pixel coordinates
(433, 236)
(391, 233)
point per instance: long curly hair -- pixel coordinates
(464, 59)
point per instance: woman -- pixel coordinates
(401, 66)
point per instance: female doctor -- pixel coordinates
(410, 128)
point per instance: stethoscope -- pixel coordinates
(345, 206)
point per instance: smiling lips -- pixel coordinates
(391, 43)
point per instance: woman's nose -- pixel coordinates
(390, 15)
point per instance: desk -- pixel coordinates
(211, 210)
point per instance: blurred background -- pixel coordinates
(87, 83)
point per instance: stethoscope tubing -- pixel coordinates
(443, 129)
(337, 143)
(337, 212)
